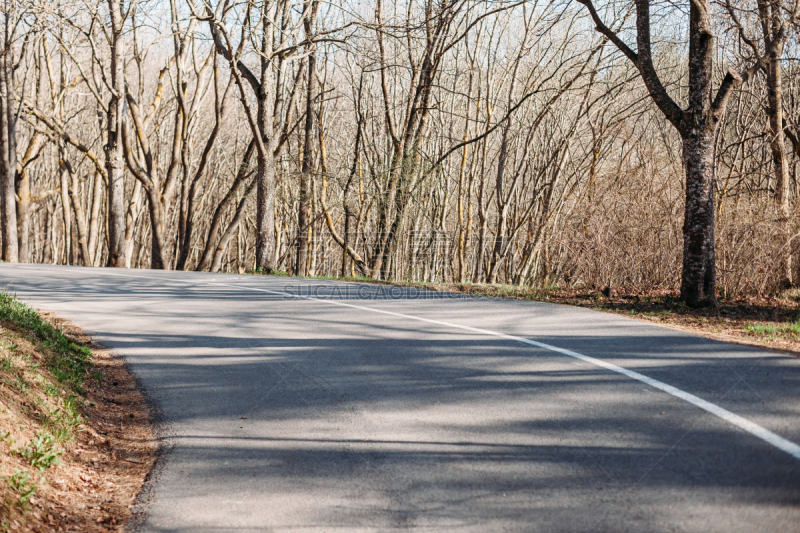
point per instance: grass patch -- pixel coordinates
(70, 362)
(75, 429)
(760, 329)
(41, 453)
(44, 374)
(21, 484)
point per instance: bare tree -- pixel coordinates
(309, 23)
(427, 140)
(12, 14)
(774, 17)
(267, 23)
(114, 156)
(697, 125)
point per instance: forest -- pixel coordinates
(652, 145)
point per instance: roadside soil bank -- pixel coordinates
(78, 441)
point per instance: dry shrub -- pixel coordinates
(629, 235)
(751, 247)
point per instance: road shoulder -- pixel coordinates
(100, 456)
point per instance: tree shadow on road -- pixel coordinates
(401, 423)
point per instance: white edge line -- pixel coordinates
(754, 429)
(742, 423)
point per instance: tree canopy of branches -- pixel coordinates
(648, 144)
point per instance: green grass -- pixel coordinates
(63, 422)
(20, 482)
(69, 361)
(41, 452)
(20, 384)
(7, 364)
(762, 329)
(61, 369)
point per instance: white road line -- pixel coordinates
(754, 429)
(742, 423)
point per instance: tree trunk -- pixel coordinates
(65, 210)
(8, 161)
(502, 209)
(265, 175)
(24, 215)
(301, 266)
(131, 220)
(265, 213)
(94, 221)
(698, 285)
(158, 239)
(80, 219)
(697, 128)
(47, 251)
(778, 149)
(115, 164)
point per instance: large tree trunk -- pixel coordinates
(8, 161)
(698, 285)
(265, 213)
(115, 164)
(697, 129)
(265, 175)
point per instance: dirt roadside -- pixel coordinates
(62, 472)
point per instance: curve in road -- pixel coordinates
(295, 405)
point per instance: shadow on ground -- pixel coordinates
(401, 423)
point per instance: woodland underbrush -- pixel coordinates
(635, 246)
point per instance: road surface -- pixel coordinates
(307, 405)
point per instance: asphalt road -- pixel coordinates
(302, 405)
